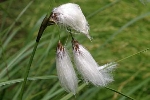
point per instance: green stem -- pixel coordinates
(27, 71)
(133, 55)
(43, 26)
(119, 93)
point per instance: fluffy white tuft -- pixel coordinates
(88, 67)
(65, 71)
(107, 70)
(70, 15)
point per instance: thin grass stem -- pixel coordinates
(133, 55)
(119, 93)
(27, 71)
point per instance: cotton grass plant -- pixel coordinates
(71, 17)
(43, 68)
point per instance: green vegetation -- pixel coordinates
(120, 31)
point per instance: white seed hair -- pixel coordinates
(65, 71)
(88, 67)
(107, 70)
(70, 15)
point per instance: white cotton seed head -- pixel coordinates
(88, 67)
(65, 71)
(107, 70)
(70, 15)
(109, 66)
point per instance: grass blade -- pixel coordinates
(123, 27)
(10, 82)
(136, 88)
(21, 13)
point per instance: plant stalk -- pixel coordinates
(43, 26)
(27, 71)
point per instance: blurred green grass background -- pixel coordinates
(119, 28)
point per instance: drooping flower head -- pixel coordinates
(70, 16)
(65, 71)
(88, 67)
